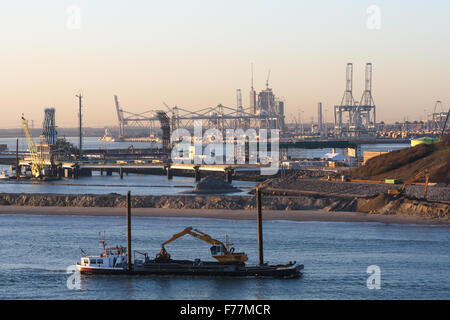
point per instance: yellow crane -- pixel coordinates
(37, 163)
(417, 176)
(219, 251)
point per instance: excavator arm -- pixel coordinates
(177, 235)
(226, 254)
(196, 234)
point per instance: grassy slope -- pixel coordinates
(405, 164)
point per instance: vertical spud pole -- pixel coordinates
(259, 220)
(128, 230)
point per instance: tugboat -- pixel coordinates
(111, 260)
(4, 175)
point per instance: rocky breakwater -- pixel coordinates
(379, 204)
(170, 202)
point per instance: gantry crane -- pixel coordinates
(37, 163)
(219, 251)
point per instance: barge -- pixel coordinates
(118, 260)
(228, 264)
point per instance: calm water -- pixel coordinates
(88, 143)
(138, 184)
(414, 260)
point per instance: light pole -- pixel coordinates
(79, 96)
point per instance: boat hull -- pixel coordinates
(208, 269)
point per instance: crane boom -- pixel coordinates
(37, 164)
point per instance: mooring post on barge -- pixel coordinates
(128, 230)
(259, 220)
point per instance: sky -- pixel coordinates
(195, 54)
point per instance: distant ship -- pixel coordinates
(107, 137)
(4, 175)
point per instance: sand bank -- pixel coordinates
(293, 215)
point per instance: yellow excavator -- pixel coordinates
(417, 176)
(219, 251)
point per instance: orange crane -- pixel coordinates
(417, 176)
(219, 251)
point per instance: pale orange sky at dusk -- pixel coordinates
(196, 54)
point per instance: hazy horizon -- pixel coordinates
(196, 54)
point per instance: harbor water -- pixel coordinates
(413, 260)
(138, 184)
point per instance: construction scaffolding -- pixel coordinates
(222, 117)
(49, 127)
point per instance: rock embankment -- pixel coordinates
(297, 183)
(378, 204)
(170, 202)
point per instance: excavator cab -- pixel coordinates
(216, 250)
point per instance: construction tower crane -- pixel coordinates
(37, 164)
(219, 251)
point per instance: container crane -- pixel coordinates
(219, 251)
(37, 163)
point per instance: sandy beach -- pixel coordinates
(293, 215)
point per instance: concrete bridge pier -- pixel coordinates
(169, 173)
(229, 175)
(121, 172)
(197, 174)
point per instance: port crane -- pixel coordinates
(444, 126)
(219, 251)
(37, 163)
(417, 176)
